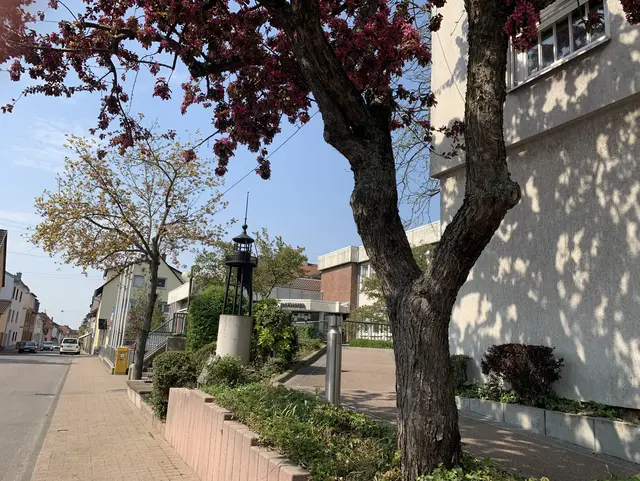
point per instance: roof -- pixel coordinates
(4, 305)
(305, 284)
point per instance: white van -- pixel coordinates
(69, 345)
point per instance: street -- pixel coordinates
(29, 389)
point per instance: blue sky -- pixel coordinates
(306, 201)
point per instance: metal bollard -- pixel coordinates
(334, 361)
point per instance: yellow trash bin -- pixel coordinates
(122, 360)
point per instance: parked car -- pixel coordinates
(27, 346)
(47, 346)
(70, 345)
(56, 347)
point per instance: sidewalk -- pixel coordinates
(368, 385)
(96, 434)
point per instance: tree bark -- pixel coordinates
(143, 334)
(419, 303)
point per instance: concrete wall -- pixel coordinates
(597, 78)
(564, 267)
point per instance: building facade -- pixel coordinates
(116, 297)
(563, 269)
(20, 322)
(344, 270)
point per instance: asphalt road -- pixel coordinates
(29, 388)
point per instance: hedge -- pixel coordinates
(171, 369)
(371, 343)
(204, 317)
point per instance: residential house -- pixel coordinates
(24, 306)
(39, 331)
(563, 269)
(5, 306)
(116, 296)
(3, 257)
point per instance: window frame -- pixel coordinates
(164, 286)
(549, 18)
(138, 276)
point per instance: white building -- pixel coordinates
(24, 304)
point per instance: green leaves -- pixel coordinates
(204, 317)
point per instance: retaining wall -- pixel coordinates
(600, 435)
(218, 448)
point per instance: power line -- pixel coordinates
(269, 156)
(31, 255)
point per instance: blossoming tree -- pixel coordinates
(110, 212)
(255, 62)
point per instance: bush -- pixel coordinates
(331, 442)
(227, 371)
(204, 317)
(171, 369)
(202, 355)
(529, 369)
(472, 469)
(273, 367)
(371, 343)
(274, 334)
(309, 338)
(460, 364)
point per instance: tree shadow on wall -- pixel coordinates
(564, 267)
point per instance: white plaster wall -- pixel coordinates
(600, 77)
(564, 267)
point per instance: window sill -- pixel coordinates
(568, 58)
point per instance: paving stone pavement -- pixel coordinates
(368, 385)
(97, 434)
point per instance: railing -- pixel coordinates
(157, 339)
(109, 352)
(366, 330)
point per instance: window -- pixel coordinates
(563, 34)
(14, 295)
(20, 296)
(138, 281)
(162, 283)
(132, 302)
(165, 307)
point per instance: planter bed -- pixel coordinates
(600, 435)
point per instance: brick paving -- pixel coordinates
(97, 434)
(368, 385)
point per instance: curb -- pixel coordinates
(299, 365)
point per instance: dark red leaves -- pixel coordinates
(161, 89)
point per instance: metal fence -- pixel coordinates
(109, 352)
(366, 330)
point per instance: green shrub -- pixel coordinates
(309, 338)
(274, 334)
(460, 364)
(371, 343)
(227, 371)
(202, 355)
(204, 317)
(331, 442)
(472, 469)
(271, 368)
(171, 369)
(529, 369)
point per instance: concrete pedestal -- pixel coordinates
(234, 337)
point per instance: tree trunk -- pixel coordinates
(419, 304)
(141, 343)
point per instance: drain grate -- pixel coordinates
(44, 394)
(117, 390)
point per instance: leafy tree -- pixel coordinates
(204, 317)
(257, 61)
(274, 334)
(372, 287)
(209, 268)
(111, 211)
(279, 263)
(138, 311)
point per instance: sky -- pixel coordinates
(306, 201)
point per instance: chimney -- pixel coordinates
(19, 275)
